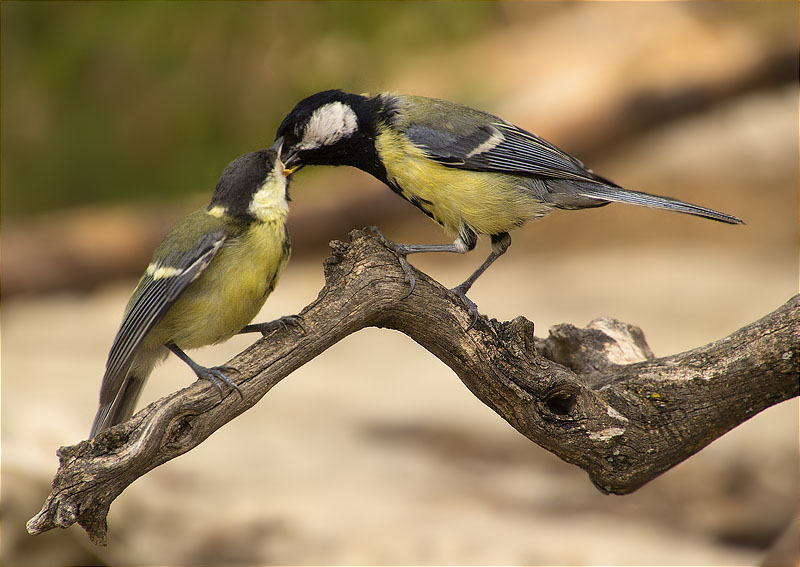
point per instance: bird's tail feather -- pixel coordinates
(620, 195)
(121, 407)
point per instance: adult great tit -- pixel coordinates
(470, 171)
(207, 280)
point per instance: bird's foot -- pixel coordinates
(216, 375)
(401, 251)
(461, 292)
(280, 323)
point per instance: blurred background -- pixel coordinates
(117, 119)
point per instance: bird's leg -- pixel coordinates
(500, 244)
(461, 290)
(403, 250)
(214, 374)
(269, 326)
(465, 286)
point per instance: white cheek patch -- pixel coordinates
(327, 125)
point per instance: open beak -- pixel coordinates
(278, 146)
(292, 163)
(287, 171)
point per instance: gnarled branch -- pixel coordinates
(596, 397)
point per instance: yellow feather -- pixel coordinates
(231, 290)
(490, 203)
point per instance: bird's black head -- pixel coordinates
(251, 182)
(331, 128)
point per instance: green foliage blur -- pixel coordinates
(116, 101)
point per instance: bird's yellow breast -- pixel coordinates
(230, 291)
(488, 202)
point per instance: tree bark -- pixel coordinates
(596, 397)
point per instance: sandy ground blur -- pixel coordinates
(374, 453)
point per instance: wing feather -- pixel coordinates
(152, 298)
(501, 147)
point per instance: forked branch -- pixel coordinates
(596, 397)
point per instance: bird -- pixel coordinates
(470, 171)
(207, 280)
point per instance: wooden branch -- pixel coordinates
(596, 397)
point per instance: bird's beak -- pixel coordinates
(292, 162)
(278, 145)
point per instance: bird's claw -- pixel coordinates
(472, 309)
(400, 250)
(216, 374)
(280, 323)
(408, 271)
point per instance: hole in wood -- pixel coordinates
(561, 403)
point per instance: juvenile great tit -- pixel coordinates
(207, 280)
(470, 171)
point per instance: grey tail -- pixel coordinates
(620, 195)
(121, 407)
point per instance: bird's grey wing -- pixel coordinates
(572, 184)
(157, 291)
(482, 142)
(501, 147)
